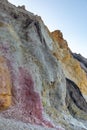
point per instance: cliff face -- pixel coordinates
(40, 80)
(71, 66)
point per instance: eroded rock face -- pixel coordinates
(71, 66)
(58, 36)
(32, 81)
(32, 69)
(5, 84)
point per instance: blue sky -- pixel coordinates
(69, 16)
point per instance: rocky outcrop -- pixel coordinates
(71, 66)
(34, 92)
(58, 37)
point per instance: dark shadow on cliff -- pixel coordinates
(75, 101)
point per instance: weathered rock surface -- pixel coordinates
(34, 65)
(5, 85)
(71, 66)
(82, 60)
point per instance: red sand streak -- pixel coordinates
(30, 99)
